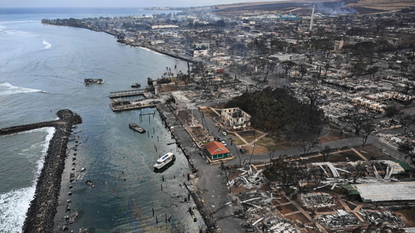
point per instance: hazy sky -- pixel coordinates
(115, 3)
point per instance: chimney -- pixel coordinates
(312, 18)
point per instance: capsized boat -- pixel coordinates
(164, 160)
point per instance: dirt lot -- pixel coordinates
(258, 149)
(272, 143)
(369, 151)
(407, 216)
(298, 216)
(334, 134)
(285, 209)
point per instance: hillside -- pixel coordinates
(384, 5)
(304, 6)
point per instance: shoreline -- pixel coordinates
(43, 206)
(130, 44)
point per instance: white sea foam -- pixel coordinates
(8, 89)
(152, 51)
(16, 32)
(2, 27)
(13, 208)
(47, 45)
(14, 204)
(21, 21)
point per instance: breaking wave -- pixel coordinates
(16, 32)
(152, 51)
(22, 21)
(8, 89)
(14, 204)
(13, 208)
(47, 45)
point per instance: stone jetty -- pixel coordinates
(43, 207)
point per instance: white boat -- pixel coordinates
(164, 160)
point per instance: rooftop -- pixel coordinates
(216, 148)
(373, 192)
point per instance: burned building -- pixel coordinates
(235, 118)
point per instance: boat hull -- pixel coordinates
(136, 128)
(165, 164)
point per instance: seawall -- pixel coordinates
(22, 128)
(43, 207)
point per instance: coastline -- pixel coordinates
(131, 44)
(43, 206)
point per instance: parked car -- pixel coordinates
(224, 133)
(224, 143)
(242, 150)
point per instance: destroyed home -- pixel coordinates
(235, 118)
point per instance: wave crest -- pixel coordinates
(47, 45)
(13, 208)
(8, 89)
(14, 204)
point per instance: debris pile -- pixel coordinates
(317, 200)
(340, 219)
(249, 179)
(380, 217)
(281, 226)
(256, 205)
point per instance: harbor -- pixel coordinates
(118, 162)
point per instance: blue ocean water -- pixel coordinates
(42, 68)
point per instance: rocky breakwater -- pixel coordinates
(42, 210)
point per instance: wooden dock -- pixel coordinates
(127, 93)
(130, 107)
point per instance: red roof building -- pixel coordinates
(216, 150)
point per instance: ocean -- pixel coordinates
(42, 68)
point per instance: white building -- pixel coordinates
(235, 118)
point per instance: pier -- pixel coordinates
(127, 93)
(119, 108)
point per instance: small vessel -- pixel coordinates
(136, 128)
(136, 85)
(164, 160)
(92, 81)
